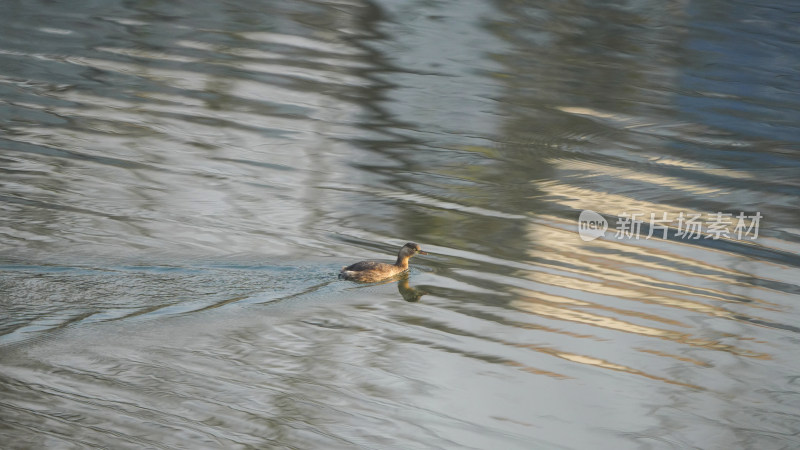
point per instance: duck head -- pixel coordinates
(411, 249)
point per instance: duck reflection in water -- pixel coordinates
(409, 293)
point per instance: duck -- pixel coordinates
(372, 271)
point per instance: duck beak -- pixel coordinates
(421, 252)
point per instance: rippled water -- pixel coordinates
(180, 184)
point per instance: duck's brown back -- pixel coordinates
(369, 271)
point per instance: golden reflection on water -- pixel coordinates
(540, 308)
(579, 198)
(536, 371)
(629, 271)
(677, 357)
(588, 170)
(563, 246)
(583, 359)
(627, 312)
(609, 271)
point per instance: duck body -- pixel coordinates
(372, 271)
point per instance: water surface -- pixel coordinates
(180, 184)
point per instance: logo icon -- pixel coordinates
(591, 225)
